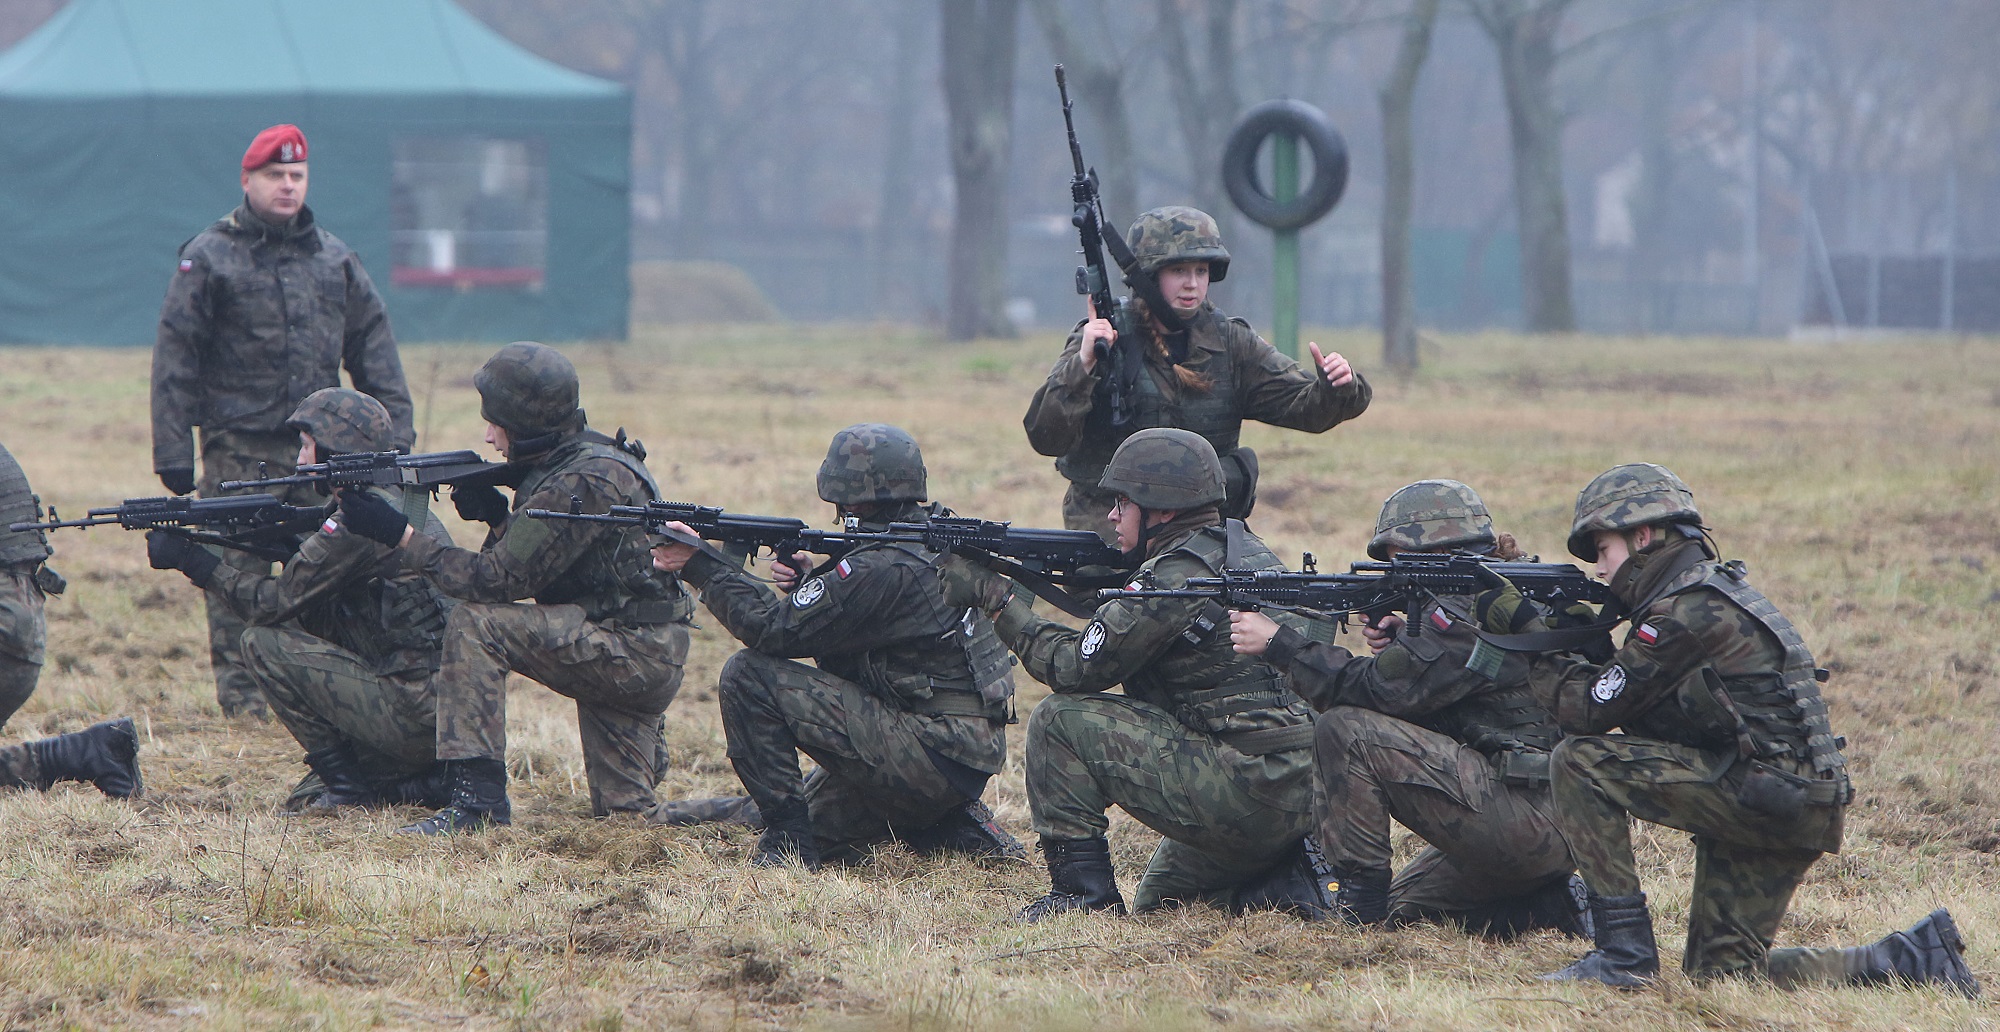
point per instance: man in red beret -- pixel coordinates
(265, 308)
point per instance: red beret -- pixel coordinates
(280, 143)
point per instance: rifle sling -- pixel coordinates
(1042, 587)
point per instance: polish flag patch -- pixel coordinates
(1647, 633)
(186, 264)
(844, 570)
(331, 526)
(1439, 620)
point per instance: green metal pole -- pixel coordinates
(1285, 261)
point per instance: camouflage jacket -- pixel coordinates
(605, 569)
(1251, 381)
(256, 318)
(1439, 678)
(352, 592)
(1171, 652)
(23, 629)
(877, 617)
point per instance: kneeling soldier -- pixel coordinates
(907, 706)
(1438, 732)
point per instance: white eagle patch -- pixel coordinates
(1093, 639)
(809, 592)
(1609, 686)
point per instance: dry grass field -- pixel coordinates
(1859, 481)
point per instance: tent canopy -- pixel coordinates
(485, 188)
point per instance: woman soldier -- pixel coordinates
(1193, 368)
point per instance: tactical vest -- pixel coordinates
(19, 504)
(1214, 414)
(951, 664)
(1506, 718)
(615, 580)
(1204, 682)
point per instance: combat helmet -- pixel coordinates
(872, 462)
(342, 421)
(1628, 496)
(1432, 516)
(529, 390)
(1165, 468)
(1177, 233)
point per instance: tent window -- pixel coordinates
(470, 212)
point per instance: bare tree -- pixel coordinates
(893, 212)
(979, 44)
(1205, 95)
(1524, 35)
(1398, 95)
(1098, 77)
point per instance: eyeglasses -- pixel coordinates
(1118, 507)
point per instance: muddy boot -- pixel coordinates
(478, 799)
(788, 838)
(970, 829)
(739, 809)
(341, 782)
(1930, 951)
(106, 755)
(1562, 905)
(1626, 957)
(1080, 878)
(1300, 885)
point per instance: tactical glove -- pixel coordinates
(481, 504)
(968, 585)
(167, 551)
(372, 518)
(178, 481)
(1502, 610)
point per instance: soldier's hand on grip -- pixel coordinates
(372, 518)
(968, 585)
(165, 551)
(1097, 331)
(1251, 633)
(481, 503)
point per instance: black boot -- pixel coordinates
(478, 799)
(970, 829)
(106, 755)
(1301, 885)
(341, 782)
(1080, 878)
(788, 836)
(1930, 951)
(430, 787)
(1360, 894)
(1626, 956)
(740, 809)
(1562, 905)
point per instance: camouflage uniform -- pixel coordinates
(24, 583)
(1453, 749)
(257, 318)
(1068, 420)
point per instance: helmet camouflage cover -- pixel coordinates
(1177, 233)
(529, 389)
(1628, 496)
(342, 421)
(1165, 468)
(1432, 516)
(872, 462)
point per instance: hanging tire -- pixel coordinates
(1329, 160)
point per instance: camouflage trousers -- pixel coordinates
(235, 455)
(23, 636)
(329, 697)
(1488, 840)
(1747, 864)
(622, 678)
(876, 780)
(1226, 818)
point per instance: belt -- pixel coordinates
(647, 611)
(1270, 740)
(953, 704)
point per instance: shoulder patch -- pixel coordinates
(845, 569)
(1093, 640)
(1647, 633)
(1609, 686)
(331, 526)
(809, 592)
(187, 264)
(1440, 620)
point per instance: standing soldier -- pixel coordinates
(265, 309)
(1439, 733)
(906, 708)
(606, 629)
(1725, 736)
(343, 641)
(1197, 369)
(106, 753)
(1207, 747)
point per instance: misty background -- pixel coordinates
(1692, 166)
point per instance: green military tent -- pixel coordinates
(485, 188)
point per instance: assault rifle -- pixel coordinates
(1374, 590)
(1039, 558)
(385, 469)
(255, 523)
(1121, 361)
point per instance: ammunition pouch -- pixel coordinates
(1784, 796)
(650, 611)
(1522, 768)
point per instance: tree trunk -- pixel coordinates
(684, 27)
(1205, 100)
(1099, 83)
(979, 42)
(1524, 34)
(1399, 300)
(894, 298)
